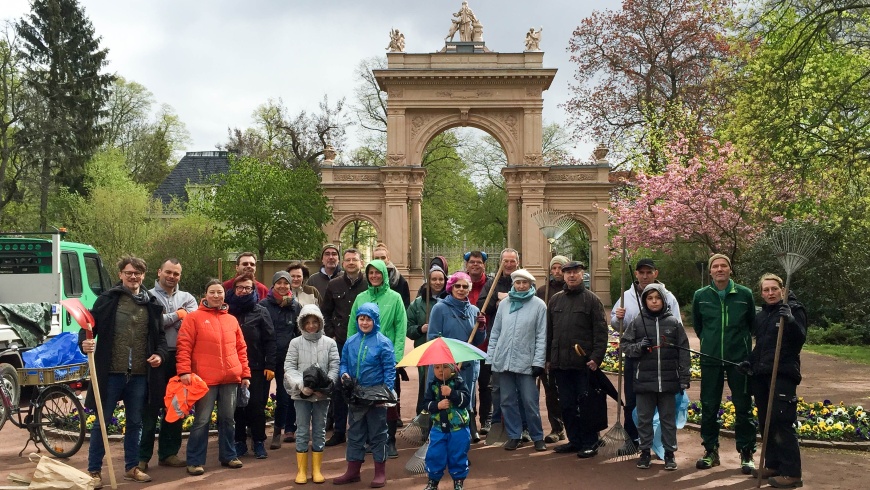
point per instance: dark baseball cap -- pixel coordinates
(574, 264)
(645, 263)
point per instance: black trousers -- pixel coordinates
(783, 449)
(484, 391)
(573, 385)
(253, 415)
(629, 397)
(551, 397)
(339, 405)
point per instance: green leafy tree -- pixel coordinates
(194, 240)
(802, 106)
(276, 211)
(116, 215)
(64, 63)
(13, 105)
(448, 193)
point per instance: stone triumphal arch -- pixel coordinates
(465, 84)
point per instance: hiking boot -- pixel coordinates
(670, 461)
(241, 448)
(526, 437)
(710, 459)
(195, 470)
(234, 463)
(289, 437)
(540, 445)
(392, 453)
(627, 449)
(143, 466)
(136, 475)
(96, 478)
(459, 484)
(260, 449)
(512, 444)
(431, 485)
(765, 473)
(335, 439)
(554, 437)
(746, 463)
(485, 428)
(645, 459)
(785, 482)
(173, 462)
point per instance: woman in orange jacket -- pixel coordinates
(211, 344)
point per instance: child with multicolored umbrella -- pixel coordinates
(447, 399)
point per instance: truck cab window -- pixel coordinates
(72, 274)
(97, 275)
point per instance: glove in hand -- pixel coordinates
(537, 371)
(481, 320)
(745, 368)
(684, 386)
(270, 375)
(645, 344)
(306, 391)
(785, 312)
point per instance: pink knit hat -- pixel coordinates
(457, 276)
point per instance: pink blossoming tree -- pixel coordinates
(714, 199)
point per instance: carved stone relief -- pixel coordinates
(396, 160)
(532, 159)
(343, 177)
(570, 177)
(463, 94)
(418, 122)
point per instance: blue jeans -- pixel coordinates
(311, 424)
(285, 409)
(366, 424)
(523, 410)
(133, 390)
(197, 443)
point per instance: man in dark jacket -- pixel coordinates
(129, 348)
(551, 393)
(328, 271)
(576, 316)
(338, 300)
(487, 383)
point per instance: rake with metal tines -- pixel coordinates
(793, 246)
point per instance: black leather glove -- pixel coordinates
(402, 374)
(537, 371)
(645, 344)
(785, 312)
(745, 368)
(684, 386)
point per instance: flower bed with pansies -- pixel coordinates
(823, 421)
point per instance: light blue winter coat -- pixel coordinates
(519, 340)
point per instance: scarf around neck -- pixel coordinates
(239, 305)
(519, 299)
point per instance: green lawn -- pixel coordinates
(857, 353)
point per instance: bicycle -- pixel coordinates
(55, 416)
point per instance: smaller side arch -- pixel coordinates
(340, 222)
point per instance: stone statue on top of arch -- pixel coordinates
(466, 24)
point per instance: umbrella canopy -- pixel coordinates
(442, 351)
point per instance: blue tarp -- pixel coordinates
(59, 351)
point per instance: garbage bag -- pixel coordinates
(59, 351)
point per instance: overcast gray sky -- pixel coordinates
(215, 61)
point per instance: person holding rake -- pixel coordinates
(659, 373)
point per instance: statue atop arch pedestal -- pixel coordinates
(466, 24)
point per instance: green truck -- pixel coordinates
(37, 272)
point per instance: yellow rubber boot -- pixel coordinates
(316, 460)
(302, 464)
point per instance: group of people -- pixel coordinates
(332, 342)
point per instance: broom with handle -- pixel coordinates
(618, 444)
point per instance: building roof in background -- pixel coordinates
(195, 168)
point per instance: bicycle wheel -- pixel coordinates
(9, 380)
(60, 421)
